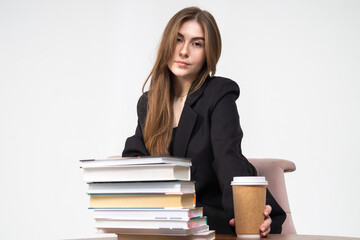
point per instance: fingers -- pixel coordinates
(265, 227)
(267, 210)
(266, 233)
(232, 222)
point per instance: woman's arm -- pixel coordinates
(134, 145)
(226, 136)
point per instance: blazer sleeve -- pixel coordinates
(226, 137)
(134, 145)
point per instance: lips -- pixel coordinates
(182, 64)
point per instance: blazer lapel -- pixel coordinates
(183, 133)
(186, 123)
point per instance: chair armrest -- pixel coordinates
(286, 165)
(270, 163)
(273, 169)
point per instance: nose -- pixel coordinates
(184, 51)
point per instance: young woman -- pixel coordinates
(188, 112)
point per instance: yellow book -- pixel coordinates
(184, 200)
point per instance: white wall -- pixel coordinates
(71, 73)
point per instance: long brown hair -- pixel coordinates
(158, 125)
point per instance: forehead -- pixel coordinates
(191, 29)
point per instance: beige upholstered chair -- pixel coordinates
(273, 170)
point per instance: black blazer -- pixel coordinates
(209, 133)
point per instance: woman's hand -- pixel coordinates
(265, 227)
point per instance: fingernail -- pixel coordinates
(262, 229)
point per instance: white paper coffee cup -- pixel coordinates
(249, 195)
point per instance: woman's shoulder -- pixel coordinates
(142, 105)
(222, 86)
(143, 99)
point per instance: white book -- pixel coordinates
(141, 187)
(146, 213)
(150, 223)
(129, 173)
(106, 162)
(160, 231)
(207, 235)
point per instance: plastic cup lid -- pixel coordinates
(259, 180)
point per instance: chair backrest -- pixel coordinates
(273, 170)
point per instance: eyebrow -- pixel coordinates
(195, 38)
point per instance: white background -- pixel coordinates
(71, 73)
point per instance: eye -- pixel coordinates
(197, 44)
(178, 40)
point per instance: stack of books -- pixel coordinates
(145, 198)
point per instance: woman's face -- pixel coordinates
(189, 55)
